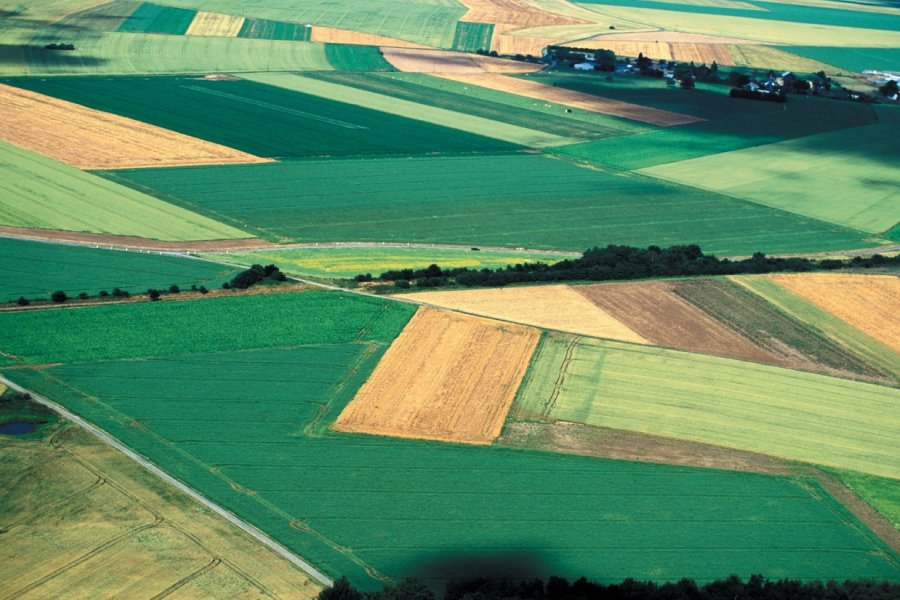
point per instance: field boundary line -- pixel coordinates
(197, 496)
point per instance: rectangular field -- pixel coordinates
(346, 57)
(262, 119)
(852, 59)
(785, 413)
(871, 303)
(470, 37)
(36, 192)
(514, 200)
(91, 139)
(153, 18)
(35, 270)
(448, 377)
(265, 29)
(557, 307)
(215, 24)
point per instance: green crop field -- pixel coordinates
(411, 110)
(183, 326)
(769, 57)
(37, 192)
(274, 30)
(346, 57)
(786, 413)
(852, 59)
(470, 37)
(498, 107)
(882, 493)
(261, 119)
(767, 326)
(104, 17)
(153, 18)
(844, 334)
(22, 53)
(348, 262)
(513, 200)
(372, 507)
(36, 270)
(848, 177)
(429, 22)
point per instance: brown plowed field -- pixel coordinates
(513, 12)
(430, 61)
(332, 35)
(654, 311)
(448, 377)
(215, 24)
(125, 241)
(871, 303)
(550, 306)
(91, 139)
(549, 93)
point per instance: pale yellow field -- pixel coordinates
(448, 377)
(682, 52)
(332, 35)
(549, 93)
(91, 139)
(871, 303)
(215, 24)
(550, 306)
(768, 57)
(504, 43)
(675, 37)
(512, 12)
(430, 61)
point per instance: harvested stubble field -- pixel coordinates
(215, 24)
(91, 139)
(332, 35)
(430, 61)
(655, 311)
(513, 12)
(682, 52)
(35, 269)
(36, 192)
(448, 377)
(844, 335)
(556, 307)
(82, 521)
(547, 93)
(367, 507)
(760, 408)
(871, 303)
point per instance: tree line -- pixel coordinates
(756, 587)
(620, 263)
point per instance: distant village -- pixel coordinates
(745, 83)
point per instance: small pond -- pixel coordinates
(18, 427)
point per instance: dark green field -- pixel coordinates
(512, 200)
(260, 119)
(153, 18)
(470, 37)
(852, 59)
(274, 30)
(249, 430)
(35, 270)
(346, 57)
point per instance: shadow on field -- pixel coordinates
(514, 565)
(17, 54)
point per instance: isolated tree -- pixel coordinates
(59, 296)
(23, 301)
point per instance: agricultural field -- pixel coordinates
(37, 192)
(366, 506)
(81, 520)
(556, 307)
(448, 377)
(215, 24)
(90, 139)
(36, 270)
(261, 119)
(347, 262)
(509, 200)
(771, 57)
(344, 57)
(153, 18)
(470, 36)
(790, 414)
(265, 29)
(333, 35)
(852, 59)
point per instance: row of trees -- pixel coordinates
(756, 587)
(622, 262)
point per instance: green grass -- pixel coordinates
(99, 53)
(483, 102)
(346, 57)
(389, 104)
(844, 334)
(513, 200)
(348, 262)
(847, 177)
(35, 270)
(261, 119)
(188, 326)
(37, 192)
(790, 414)
(104, 17)
(429, 22)
(274, 30)
(766, 325)
(153, 18)
(371, 507)
(881, 493)
(470, 37)
(852, 59)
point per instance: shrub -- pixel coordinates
(23, 301)
(174, 289)
(104, 294)
(153, 293)
(59, 296)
